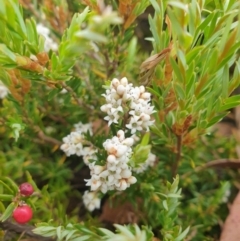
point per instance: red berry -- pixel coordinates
(22, 214)
(26, 189)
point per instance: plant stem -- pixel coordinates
(178, 156)
(13, 228)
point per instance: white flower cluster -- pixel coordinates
(116, 174)
(148, 163)
(120, 95)
(91, 200)
(75, 143)
(49, 43)
(226, 196)
(3, 90)
(84, 128)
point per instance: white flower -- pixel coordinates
(121, 89)
(106, 107)
(128, 141)
(112, 159)
(122, 97)
(3, 90)
(135, 124)
(112, 117)
(78, 149)
(122, 185)
(83, 128)
(49, 43)
(50, 130)
(76, 137)
(226, 196)
(94, 182)
(104, 188)
(124, 81)
(121, 150)
(121, 135)
(91, 200)
(115, 83)
(145, 117)
(146, 96)
(132, 180)
(126, 173)
(63, 91)
(96, 169)
(68, 148)
(74, 144)
(89, 153)
(116, 174)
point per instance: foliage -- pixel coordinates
(191, 74)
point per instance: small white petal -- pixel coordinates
(124, 81)
(121, 89)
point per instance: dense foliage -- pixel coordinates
(91, 119)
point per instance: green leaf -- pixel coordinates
(19, 17)
(31, 181)
(165, 205)
(211, 61)
(77, 20)
(32, 35)
(2, 8)
(9, 183)
(6, 197)
(107, 232)
(82, 238)
(6, 186)
(59, 232)
(225, 81)
(155, 6)
(45, 231)
(70, 234)
(174, 195)
(182, 235)
(154, 92)
(8, 212)
(145, 139)
(231, 102)
(216, 119)
(170, 119)
(8, 53)
(194, 53)
(154, 30)
(179, 91)
(177, 70)
(90, 35)
(140, 154)
(53, 93)
(211, 27)
(131, 56)
(2, 208)
(191, 86)
(235, 81)
(225, 36)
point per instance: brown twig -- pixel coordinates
(48, 139)
(178, 156)
(55, 118)
(40, 133)
(221, 163)
(20, 229)
(73, 94)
